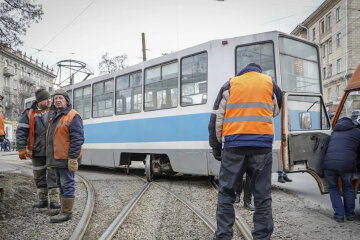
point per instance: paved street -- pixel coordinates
(305, 185)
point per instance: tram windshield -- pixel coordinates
(299, 66)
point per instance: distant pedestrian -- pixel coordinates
(283, 177)
(65, 135)
(340, 162)
(31, 142)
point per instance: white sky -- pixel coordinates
(86, 29)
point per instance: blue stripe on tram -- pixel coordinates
(193, 127)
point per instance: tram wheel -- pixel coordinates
(148, 172)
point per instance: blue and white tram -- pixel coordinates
(158, 110)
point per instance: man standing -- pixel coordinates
(31, 138)
(65, 135)
(243, 116)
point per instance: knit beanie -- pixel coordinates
(63, 93)
(41, 94)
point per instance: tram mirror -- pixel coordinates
(305, 120)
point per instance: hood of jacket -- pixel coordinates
(344, 124)
(249, 69)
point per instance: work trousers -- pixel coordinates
(66, 182)
(233, 166)
(247, 189)
(44, 177)
(348, 207)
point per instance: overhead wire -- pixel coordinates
(66, 26)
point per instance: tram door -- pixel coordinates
(304, 135)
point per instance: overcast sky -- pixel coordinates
(86, 29)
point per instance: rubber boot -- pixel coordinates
(43, 198)
(54, 206)
(67, 205)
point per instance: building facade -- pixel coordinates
(335, 26)
(20, 76)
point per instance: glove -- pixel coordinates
(73, 164)
(22, 154)
(217, 153)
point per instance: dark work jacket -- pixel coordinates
(41, 120)
(344, 143)
(76, 132)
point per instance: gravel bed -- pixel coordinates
(158, 215)
(199, 192)
(20, 221)
(296, 218)
(112, 194)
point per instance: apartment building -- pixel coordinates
(20, 76)
(335, 26)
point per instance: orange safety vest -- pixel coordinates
(2, 125)
(249, 109)
(61, 138)
(31, 138)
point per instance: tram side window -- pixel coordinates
(161, 87)
(194, 74)
(261, 53)
(128, 93)
(82, 101)
(103, 98)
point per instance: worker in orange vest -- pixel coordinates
(31, 142)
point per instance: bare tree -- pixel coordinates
(15, 17)
(111, 64)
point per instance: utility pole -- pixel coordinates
(143, 46)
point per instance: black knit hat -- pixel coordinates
(41, 94)
(63, 93)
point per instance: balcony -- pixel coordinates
(7, 72)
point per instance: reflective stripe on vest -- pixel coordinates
(61, 138)
(249, 109)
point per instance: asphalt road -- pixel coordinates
(304, 185)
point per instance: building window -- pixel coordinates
(6, 63)
(322, 27)
(338, 91)
(338, 14)
(15, 83)
(328, 22)
(330, 70)
(329, 95)
(324, 72)
(339, 66)
(323, 50)
(313, 34)
(329, 46)
(338, 39)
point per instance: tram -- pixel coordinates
(158, 111)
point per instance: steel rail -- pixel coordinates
(89, 208)
(114, 226)
(207, 220)
(239, 221)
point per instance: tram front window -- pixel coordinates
(299, 66)
(260, 53)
